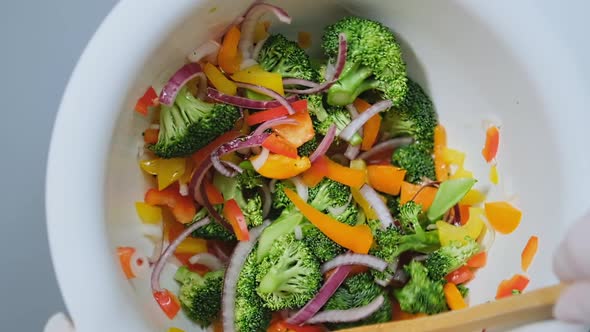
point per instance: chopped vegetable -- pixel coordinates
(148, 99)
(494, 174)
(353, 178)
(280, 167)
(125, 254)
(478, 260)
(182, 207)
(449, 193)
(386, 179)
(148, 214)
(423, 195)
(474, 227)
(316, 173)
(277, 144)
(462, 173)
(454, 299)
(277, 112)
(168, 171)
(304, 39)
(504, 217)
(529, 252)
(205, 152)
(282, 326)
(191, 246)
(473, 197)
(371, 127)
(235, 216)
(150, 136)
(440, 143)
(453, 157)
(219, 81)
(460, 275)
(213, 194)
(490, 148)
(228, 58)
(259, 76)
(518, 282)
(298, 134)
(168, 302)
(261, 31)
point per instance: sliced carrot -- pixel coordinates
(317, 172)
(440, 143)
(228, 56)
(453, 297)
(371, 127)
(415, 192)
(478, 260)
(507, 287)
(353, 178)
(358, 239)
(150, 136)
(490, 148)
(504, 217)
(529, 252)
(386, 178)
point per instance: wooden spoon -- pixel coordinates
(511, 312)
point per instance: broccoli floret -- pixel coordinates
(284, 224)
(289, 275)
(249, 201)
(308, 147)
(421, 294)
(190, 124)
(200, 296)
(250, 313)
(373, 61)
(357, 291)
(213, 230)
(392, 203)
(329, 193)
(414, 117)
(316, 107)
(283, 56)
(350, 216)
(409, 217)
(464, 290)
(279, 199)
(249, 179)
(341, 118)
(450, 257)
(416, 161)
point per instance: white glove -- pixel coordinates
(59, 323)
(572, 265)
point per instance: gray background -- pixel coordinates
(40, 43)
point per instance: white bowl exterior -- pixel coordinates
(478, 61)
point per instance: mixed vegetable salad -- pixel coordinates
(298, 194)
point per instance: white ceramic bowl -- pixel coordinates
(479, 61)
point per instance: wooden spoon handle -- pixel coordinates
(510, 312)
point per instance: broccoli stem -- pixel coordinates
(277, 276)
(350, 85)
(286, 223)
(182, 274)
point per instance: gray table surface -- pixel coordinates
(40, 43)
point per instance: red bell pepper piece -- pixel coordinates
(277, 144)
(148, 99)
(168, 302)
(235, 216)
(262, 116)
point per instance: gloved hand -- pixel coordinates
(572, 265)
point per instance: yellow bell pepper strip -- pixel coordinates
(168, 171)
(358, 239)
(473, 197)
(280, 167)
(148, 99)
(449, 193)
(148, 214)
(297, 134)
(504, 217)
(529, 252)
(453, 157)
(235, 216)
(191, 246)
(371, 127)
(125, 254)
(415, 192)
(448, 233)
(508, 287)
(229, 58)
(440, 143)
(386, 178)
(316, 173)
(219, 81)
(175, 329)
(453, 297)
(494, 174)
(353, 178)
(490, 148)
(360, 164)
(257, 76)
(462, 173)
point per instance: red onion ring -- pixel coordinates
(178, 80)
(380, 208)
(234, 145)
(390, 144)
(245, 102)
(157, 271)
(208, 49)
(302, 189)
(324, 144)
(274, 122)
(298, 81)
(258, 48)
(268, 92)
(370, 261)
(352, 151)
(207, 259)
(232, 273)
(323, 295)
(350, 315)
(348, 132)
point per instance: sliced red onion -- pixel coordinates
(258, 48)
(302, 82)
(329, 71)
(323, 295)
(272, 185)
(400, 276)
(261, 159)
(245, 102)
(202, 88)
(232, 273)
(249, 25)
(420, 258)
(350, 315)
(231, 146)
(155, 279)
(159, 245)
(274, 122)
(390, 144)
(298, 233)
(338, 210)
(267, 200)
(324, 144)
(380, 208)
(208, 49)
(268, 92)
(207, 259)
(183, 189)
(352, 151)
(178, 80)
(370, 261)
(382, 283)
(300, 187)
(234, 167)
(219, 252)
(348, 132)
(354, 113)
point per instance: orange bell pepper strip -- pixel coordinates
(235, 216)
(371, 127)
(529, 252)
(277, 144)
(464, 213)
(219, 81)
(413, 192)
(508, 287)
(205, 153)
(504, 217)
(440, 143)
(280, 167)
(182, 207)
(478, 260)
(297, 134)
(125, 254)
(453, 297)
(358, 239)
(150, 136)
(316, 173)
(386, 178)
(353, 178)
(259, 76)
(460, 275)
(168, 302)
(273, 113)
(229, 58)
(148, 99)
(213, 194)
(490, 148)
